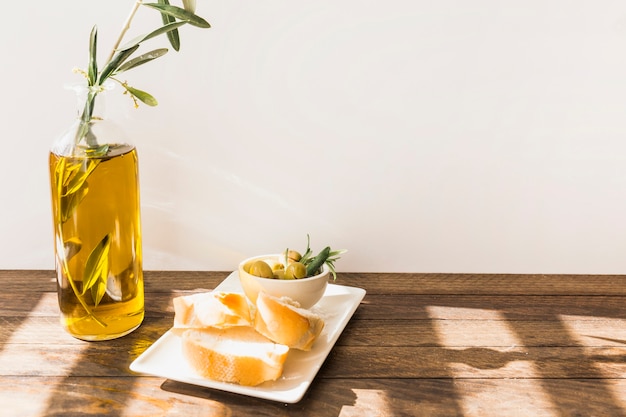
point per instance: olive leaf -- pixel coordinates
(113, 64)
(70, 202)
(179, 13)
(61, 175)
(141, 59)
(142, 95)
(72, 186)
(74, 245)
(97, 152)
(98, 290)
(97, 270)
(92, 71)
(134, 43)
(172, 35)
(308, 253)
(79, 176)
(333, 256)
(326, 256)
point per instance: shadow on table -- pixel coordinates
(93, 385)
(338, 397)
(311, 404)
(569, 378)
(18, 306)
(572, 378)
(569, 375)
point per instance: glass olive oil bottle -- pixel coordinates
(95, 188)
(98, 242)
(97, 231)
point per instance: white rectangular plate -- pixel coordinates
(164, 358)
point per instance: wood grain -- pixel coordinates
(418, 345)
(375, 283)
(149, 396)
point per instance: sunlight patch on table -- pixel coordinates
(618, 390)
(369, 402)
(32, 330)
(472, 327)
(19, 358)
(436, 312)
(149, 404)
(518, 398)
(27, 402)
(603, 341)
(485, 347)
(480, 343)
(594, 331)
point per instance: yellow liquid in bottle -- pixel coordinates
(97, 233)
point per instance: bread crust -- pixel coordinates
(283, 321)
(237, 354)
(211, 309)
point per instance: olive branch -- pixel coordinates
(326, 256)
(120, 61)
(71, 177)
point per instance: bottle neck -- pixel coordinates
(92, 133)
(91, 101)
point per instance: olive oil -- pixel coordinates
(97, 231)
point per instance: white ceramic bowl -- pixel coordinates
(306, 291)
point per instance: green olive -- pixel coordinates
(295, 270)
(246, 266)
(293, 256)
(279, 273)
(261, 269)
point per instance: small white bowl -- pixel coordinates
(306, 291)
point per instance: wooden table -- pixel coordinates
(418, 345)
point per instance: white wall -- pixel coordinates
(427, 136)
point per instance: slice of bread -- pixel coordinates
(283, 321)
(211, 309)
(236, 354)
